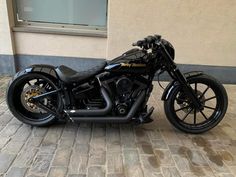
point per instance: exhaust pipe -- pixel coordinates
(113, 119)
(95, 112)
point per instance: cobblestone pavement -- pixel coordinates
(97, 150)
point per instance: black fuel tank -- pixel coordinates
(131, 61)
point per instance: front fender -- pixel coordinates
(174, 83)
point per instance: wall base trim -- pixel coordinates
(8, 63)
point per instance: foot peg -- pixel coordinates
(145, 117)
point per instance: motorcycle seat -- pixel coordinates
(69, 75)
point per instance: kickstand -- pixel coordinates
(68, 118)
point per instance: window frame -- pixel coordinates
(58, 28)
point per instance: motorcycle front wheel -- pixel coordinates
(26, 86)
(181, 112)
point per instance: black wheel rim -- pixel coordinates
(188, 116)
(29, 81)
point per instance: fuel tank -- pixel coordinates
(132, 61)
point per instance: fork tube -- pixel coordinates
(174, 71)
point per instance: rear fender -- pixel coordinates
(174, 83)
(39, 68)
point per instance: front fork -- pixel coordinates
(187, 88)
(177, 75)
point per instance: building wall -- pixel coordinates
(6, 46)
(202, 31)
(60, 45)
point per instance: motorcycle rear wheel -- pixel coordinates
(28, 85)
(182, 114)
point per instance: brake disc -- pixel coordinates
(187, 102)
(29, 92)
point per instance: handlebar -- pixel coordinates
(148, 42)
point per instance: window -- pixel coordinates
(85, 14)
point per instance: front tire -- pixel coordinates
(27, 85)
(184, 116)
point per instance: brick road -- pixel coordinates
(97, 150)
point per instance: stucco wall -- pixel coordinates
(202, 31)
(60, 45)
(5, 34)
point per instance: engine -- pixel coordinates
(124, 87)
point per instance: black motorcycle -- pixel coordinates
(117, 91)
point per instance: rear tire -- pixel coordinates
(15, 99)
(220, 100)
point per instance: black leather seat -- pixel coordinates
(69, 75)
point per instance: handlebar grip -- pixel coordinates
(138, 43)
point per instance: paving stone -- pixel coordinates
(228, 158)
(148, 173)
(142, 136)
(225, 175)
(145, 149)
(69, 131)
(27, 153)
(197, 158)
(39, 131)
(115, 175)
(79, 159)
(83, 135)
(4, 141)
(182, 163)
(155, 134)
(9, 130)
(57, 172)
(170, 137)
(97, 146)
(13, 147)
(53, 135)
(47, 149)
(77, 175)
(96, 172)
(229, 131)
(150, 163)
(41, 164)
(97, 159)
(5, 118)
(127, 136)
(5, 161)
(216, 163)
(113, 140)
(114, 150)
(159, 144)
(25, 158)
(232, 169)
(133, 171)
(175, 149)
(81, 149)
(78, 164)
(131, 157)
(165, 157)
(62, 157)
(114, 163)
(15, 121)
(66, 143)
(170, 172)
(16, 172)
(22, 133)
